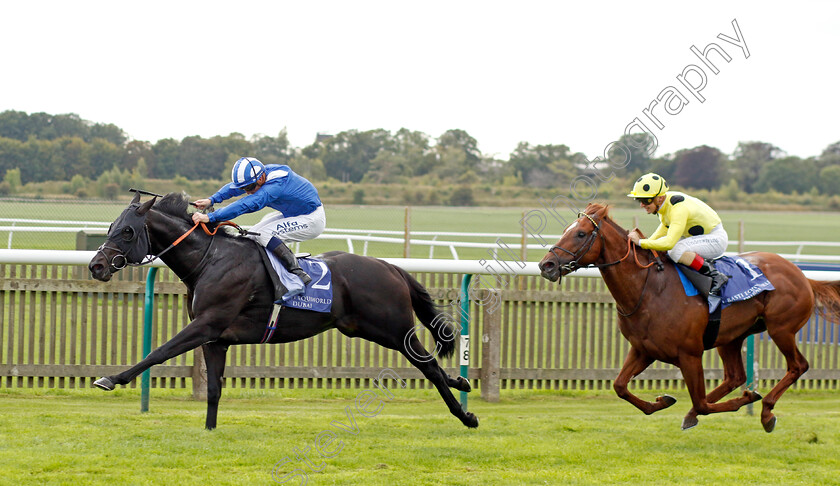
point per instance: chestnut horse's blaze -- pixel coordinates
(663, 324)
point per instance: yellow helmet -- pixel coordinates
(649, 185)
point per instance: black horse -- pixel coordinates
(230, 298)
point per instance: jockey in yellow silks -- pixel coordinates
(689, 230)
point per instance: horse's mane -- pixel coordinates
(595, 208)
(174, 204)
(604, 211)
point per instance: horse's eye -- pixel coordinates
(581, 234)
(128, 232)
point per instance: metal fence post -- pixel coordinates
(148, 316)
(752, 367)
(464, 353)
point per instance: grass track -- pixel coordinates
(89, 437)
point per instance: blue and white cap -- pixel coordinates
(246, 171)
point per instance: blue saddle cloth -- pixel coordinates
(317, 296)
(745, 282)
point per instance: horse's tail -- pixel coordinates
(828, 294)
(436, 320)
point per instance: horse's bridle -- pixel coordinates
(120, 260)
(149, 258)
(113, 263)
(574, 264)
(587, 245)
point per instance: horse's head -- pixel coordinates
(127, 242)
(578, 247)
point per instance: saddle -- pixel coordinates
(279, 288)
(702, 284)
(745, 282)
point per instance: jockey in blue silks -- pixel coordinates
(299, 217)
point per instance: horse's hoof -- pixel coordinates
(105, 383)
(463, 385)
(689, 422)
(470, 420)
(770, 424)
(666, 400)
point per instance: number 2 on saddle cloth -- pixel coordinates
(316, 297)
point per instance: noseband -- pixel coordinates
(119, 257)
(120, 260)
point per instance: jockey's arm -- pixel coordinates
(248, 204)
(673, 233)
(661, 231)
(203, 203)
(226, 192)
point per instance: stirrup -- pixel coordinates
(718, 282)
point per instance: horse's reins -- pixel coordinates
(189, 231)
(584, 249)
(150, 258)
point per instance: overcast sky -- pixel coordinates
(542, 72)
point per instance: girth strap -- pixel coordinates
(272, 324)
(712, 329)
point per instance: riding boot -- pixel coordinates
(287, 258)
(718, 279)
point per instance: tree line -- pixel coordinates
(40, 147)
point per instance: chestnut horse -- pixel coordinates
(662, 323)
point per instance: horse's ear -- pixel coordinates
(136, 199)
(145, 206)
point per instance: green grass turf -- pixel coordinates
(90, 437)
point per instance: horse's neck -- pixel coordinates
(184, 257)
(625, 280)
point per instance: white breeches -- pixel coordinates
(709, 246)
(294, 229)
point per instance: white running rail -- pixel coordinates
(366, 236)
